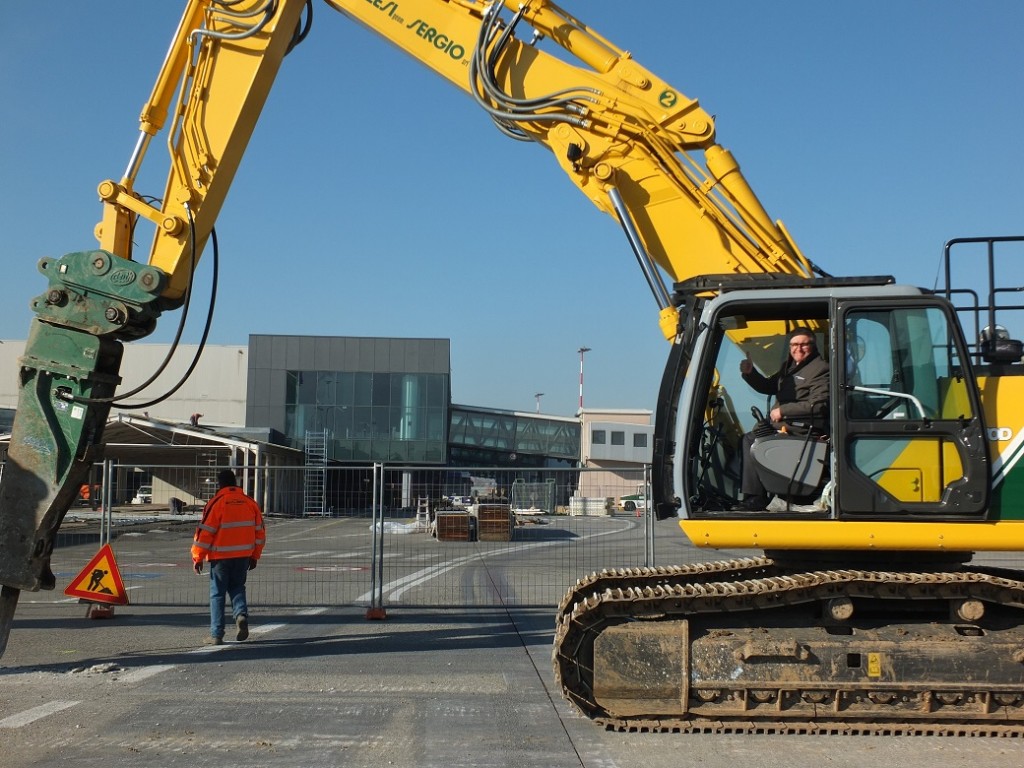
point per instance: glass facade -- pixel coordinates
(389, 400)
(507, 438)
(369, 416)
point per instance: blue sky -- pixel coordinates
(377, 200)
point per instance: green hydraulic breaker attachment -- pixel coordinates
(67, 376)
(53, 445)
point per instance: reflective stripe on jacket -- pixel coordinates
(232, 526)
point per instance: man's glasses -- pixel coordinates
(804, 344)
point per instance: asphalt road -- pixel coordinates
(324, 686)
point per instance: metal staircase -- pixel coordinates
(314, 487)
(206, 475)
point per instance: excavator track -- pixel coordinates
(622, 578)
(751, 646)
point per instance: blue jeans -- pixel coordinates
(227, 577)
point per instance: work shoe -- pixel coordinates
(751, 504)
(213, 641)
(242, 622)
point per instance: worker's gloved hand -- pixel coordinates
(198, 566)
(252, 563)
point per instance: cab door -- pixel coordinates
(907, 423)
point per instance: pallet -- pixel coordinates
(495, 522)
(454, 526)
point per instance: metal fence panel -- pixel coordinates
(327, 558)
(437, 540)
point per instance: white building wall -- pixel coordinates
(626, 424)
(614, 467)
(216, 388)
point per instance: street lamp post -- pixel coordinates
(538, 396)
(582, 351)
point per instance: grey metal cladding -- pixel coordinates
(365, 354)
(279, 351)
(260, 352)
(307, 352)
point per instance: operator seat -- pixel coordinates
(793, 467)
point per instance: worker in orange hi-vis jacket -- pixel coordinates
(230, 536)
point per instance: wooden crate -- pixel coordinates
(495, 522)
(453, 526)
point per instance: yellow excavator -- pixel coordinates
(859, 608)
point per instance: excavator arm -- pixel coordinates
(637, 147)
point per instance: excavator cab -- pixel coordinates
(793, 465)
(904, 437)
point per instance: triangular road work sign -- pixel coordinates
(100, 581)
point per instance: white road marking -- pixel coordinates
(260, 629)
(36, 713)
(398, 587)
(141, 673)
(265, 629)
(208, 649)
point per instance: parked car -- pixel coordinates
(144, 495)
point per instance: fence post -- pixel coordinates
(107, 502)
(648, 519)
(376, 609)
